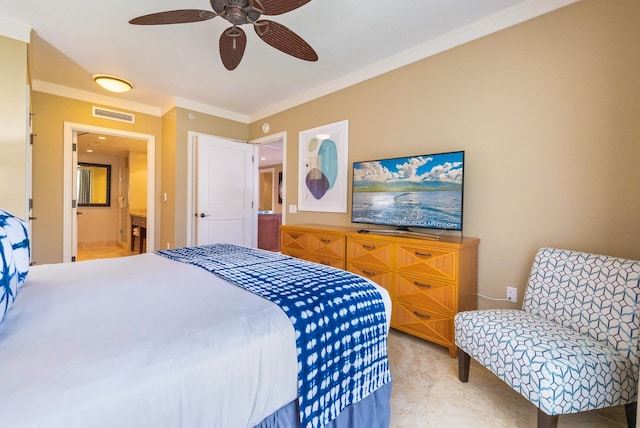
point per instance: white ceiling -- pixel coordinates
(270, 154)
(109, 144)
(180, 64)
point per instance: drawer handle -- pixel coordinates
(369, 247)
(325, 241)
(366, 272)
(425, 316)
(418, 253)
(294, 235)
(419, 284)
(322, 262)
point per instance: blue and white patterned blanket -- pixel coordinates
(339, 319)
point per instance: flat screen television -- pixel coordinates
(423, 191)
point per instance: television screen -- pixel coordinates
(413, 191)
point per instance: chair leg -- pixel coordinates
(464, 360)
(547, 421)
(630, 410)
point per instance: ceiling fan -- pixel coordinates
(239, 12)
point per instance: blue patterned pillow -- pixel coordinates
(9, 278)
(18, 232)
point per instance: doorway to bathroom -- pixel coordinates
(109, 187)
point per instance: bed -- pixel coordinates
(152, 341)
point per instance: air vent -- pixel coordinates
(113, 115)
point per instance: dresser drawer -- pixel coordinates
(294, 253)
(327, 261)
(294, 241)
(381, 277)
(428, 325)
(425, 293)
(326, 245)
(369, 252)
(423, 260)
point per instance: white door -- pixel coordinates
(29, 167)
(74, 198)
(224, 192)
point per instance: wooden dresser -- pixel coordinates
(429, 281)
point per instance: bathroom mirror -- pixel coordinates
(94, 185)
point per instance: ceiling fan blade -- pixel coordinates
(219, 5)
(285, 40)
(232, 43)
(278, 7)
(181, 16)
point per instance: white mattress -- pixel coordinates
(142, 341)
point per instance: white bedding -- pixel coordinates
(142, 341)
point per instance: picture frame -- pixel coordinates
(94, 184)
(322, 168)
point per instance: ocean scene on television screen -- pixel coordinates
(420, 191)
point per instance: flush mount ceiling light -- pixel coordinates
(112, 83)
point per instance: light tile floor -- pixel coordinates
(91, 253)
(427, 394)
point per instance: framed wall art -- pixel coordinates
(322, 170)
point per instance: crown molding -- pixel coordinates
(214, 111)
(92, 97)
(505, 18)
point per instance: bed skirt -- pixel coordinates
(372, 412)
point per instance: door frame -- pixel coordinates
(68, 212)
(280, 136)
(29, 167)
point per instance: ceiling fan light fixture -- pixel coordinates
(113, 83)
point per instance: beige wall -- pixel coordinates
(50, 113)
(137, 181)
(100, 226)
(13, 126)
(168, 183)
(547, 112)
(176, 126)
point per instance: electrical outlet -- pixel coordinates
(512, 294)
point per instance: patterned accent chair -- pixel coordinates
(574, 345)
